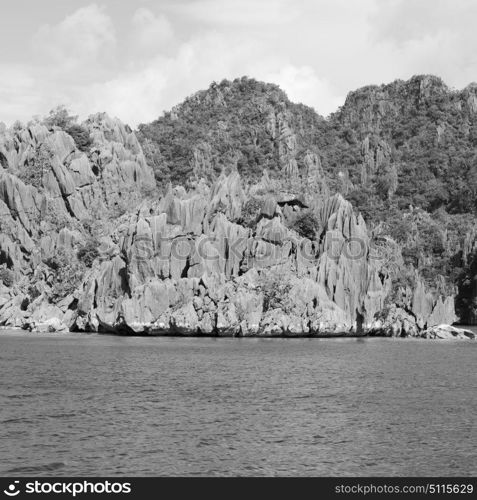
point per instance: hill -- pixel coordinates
(241, 213)
(404, 154)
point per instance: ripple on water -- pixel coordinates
(36, 469)
(102, 405)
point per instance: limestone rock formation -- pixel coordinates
(256, 231)
(184, 269)
(53, 199)
(447, 332)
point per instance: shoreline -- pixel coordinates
(172, 334)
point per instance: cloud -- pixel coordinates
(303, 85)
(135, 62)
(141, 94)
(150, 32)
(402, 22)
(434, 36)
(17, 82)
(84, 39)
(245, 13)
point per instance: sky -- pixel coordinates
(136, 59)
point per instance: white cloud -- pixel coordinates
(150, 32)
(303, 85)
(141, 94)
(245, 13)
(148, 60)
(17, 93)
(83, 40)
(435, 36)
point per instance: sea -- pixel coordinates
(103, 405)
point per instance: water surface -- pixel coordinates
(103, 405)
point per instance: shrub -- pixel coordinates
(33, 292)
(88, 252)
(250, 212)
(66, 275)
(148, 192)
(7, 277)
(32, 172)
(306, 224)
(276, 291)
(81, 137)
(56, 216)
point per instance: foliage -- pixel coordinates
(305, 224)
(387, 180)
(55, 215)
(465, 302)
(59, 117)
(39, 163)
(234, 123)
(88, 252)
(7, 277)
(250, 212)
(81, 136)
(276, 290)
(149, 192)
(423, 154)
(33, 292)
(155, 160)
(66, 274)
(431, 160)
(404, 154)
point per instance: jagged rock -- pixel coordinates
(448, 332)
(395, 323)
(228, 193)
(227, 321)
(184, 320)
(430, 311)
(47, 318)
(184, 264)
(207, 278)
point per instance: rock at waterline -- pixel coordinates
(448, 332)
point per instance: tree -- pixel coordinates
(387, 180)
(306, 224)
(81, 136)
(59, 117)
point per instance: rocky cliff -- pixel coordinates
(404, 154)
(184, 265)
(95, 237)
(55, 200)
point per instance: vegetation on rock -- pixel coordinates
(305, 224)
(276, 289)
(7, 277)
(404, 154)
(81, 137)
(60, 117)
(250, 212)
(88, 252)
(38, 164)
